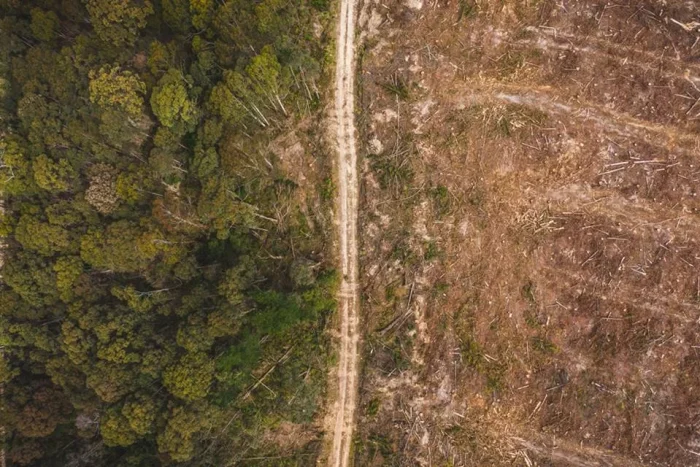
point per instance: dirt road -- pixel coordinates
(347, 372)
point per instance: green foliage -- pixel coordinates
(144, 286)
(397, 86)
(53, 176)
(160, 57)
(116, 430)
(201, 11)
(373, 407)
(16, 175)
(31, 278)
(176, 14)
(265, 70)
(43, 237)
(225, 103)
(328, 189)
(441, 199)
(118, 21)
(393, 168)
(114, 88)
(179, 436)
(544, 345)
(190, 377)
(44, 24)
(138, 301)
(123, 247)
(140, 414)
(172, 105)
(302, 272)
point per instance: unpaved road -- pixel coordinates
(347, 372)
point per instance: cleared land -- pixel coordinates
(530, 233)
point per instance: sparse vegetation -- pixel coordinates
(554, 202)
(397, 87)
(544, 345)
(393, 168)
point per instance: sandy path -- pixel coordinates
(347, 372)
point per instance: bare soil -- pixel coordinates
(529, 259)
(341, 417)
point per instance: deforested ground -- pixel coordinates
(529, 261)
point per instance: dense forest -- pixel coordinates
(166, 286)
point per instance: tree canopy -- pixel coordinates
(157, 261)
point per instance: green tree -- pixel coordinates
(179, 437)
(111, 87)
(53, 176)
(160, 57)
(224, 103)
(193, 335)
(205, 162)
(75, 342)
(43, 237)
(68, 269)
(32, 278)
(237, 279)
(201, 12)
(44, 24)
(116, 430)
(267, 14)
(110, 381)
(191, 377)
(266, 74)
(41, 415)
(172, 105)
(16, 175)
(7, 372)
(141, 413)
(131, 187)
(118, 21)
(140, 302)
(122, 247)
(176, 14)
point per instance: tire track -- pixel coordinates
(347, 199)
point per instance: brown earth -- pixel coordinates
(530, 233)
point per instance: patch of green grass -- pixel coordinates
(373, 407)
(381, 443)
(403, 252)
(439, 288)
(494, 381)
(397, 86)
(431, 251)
(472, 354)
(544, 345)
(390, 293)
(393, 169)
(531, 320)
(466, 9)
(441, 200)
(327, 189)
(528, 292)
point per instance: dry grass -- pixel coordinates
(537, 272)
